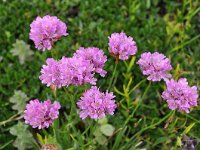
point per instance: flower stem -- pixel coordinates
(12, 118)
(113, 75)
(152, 126)
(52, 54)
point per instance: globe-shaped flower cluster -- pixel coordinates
(179, 95)
(95, 56)
(122, 46)
(41, 114)
(95, 104)
(47, 30)
(155, 66)
(80, 69)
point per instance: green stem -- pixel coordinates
(187, 115)
(51, 53)
(136, 86)
(88, 128)
(113, 75)
(143, 96)
(6, 144)
(152, 126)
(155, 124)
(184, 44)
(73, 102)
(119, 136)
(12, 118)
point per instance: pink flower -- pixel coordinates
(95, 104)
(121, 45)
(41, 114)
(95, 56)
(76, 71)
(47, 30)
(179, 95)
(155, 66)
(50, 73)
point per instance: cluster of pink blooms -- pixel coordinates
(121, 46)
(47, 30)
(80, 69)
(96, 104)
(41, 114)
(50, 73)
(155, 66)
(95, 56)
(179, 95)
(76, 71)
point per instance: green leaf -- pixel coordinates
(24, 138)
(97, 132)
(8, 34)
(102, 140)
(102, 121)
(177, 71)
(42, 141)
(19, 100)
(148, 4)
(178, 141)
(160, 140)
(118, 92)
(5, 144)
(22, 50)
(107, 129)
(188, 128)
(131, 64)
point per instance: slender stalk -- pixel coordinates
(88, 128)
(143, 96)
(194, 119)
(151, 126)
(52, 53)
(184, 44)
(154, 125)
(136, 86)
(132, 114)
(113, 75)
(12, 118)
(6, 144)
(73, 103)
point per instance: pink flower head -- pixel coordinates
(121, 45)
(95, 56)
(47, 30)
(179, 95)
(41, 114)
(155, 66)
(76, 71)
(50, 73)
(95, 104)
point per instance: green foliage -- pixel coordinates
(22, 50)
(102, 130)
(24, 138)
(19, 100)
(107, 129)
(52, 140)
(142, 119)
